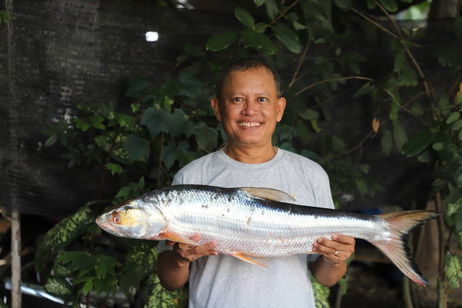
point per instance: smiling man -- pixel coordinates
(249, 105)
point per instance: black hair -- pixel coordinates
(243, 64)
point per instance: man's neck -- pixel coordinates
(251, 155)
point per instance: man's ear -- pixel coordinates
(280, 107)
(215, 103)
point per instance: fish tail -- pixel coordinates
(401, 223)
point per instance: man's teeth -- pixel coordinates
(249, 124)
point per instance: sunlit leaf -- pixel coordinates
(244, 17)
(287, 36)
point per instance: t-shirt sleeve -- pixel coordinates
(322, 190)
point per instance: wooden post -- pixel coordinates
(14, 146)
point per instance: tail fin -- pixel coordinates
(401, 223)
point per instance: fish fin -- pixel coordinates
(175, 237)
(268, 193)
(401, 223)
(246, 258)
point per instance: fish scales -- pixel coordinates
(248, 222)
(238, 222)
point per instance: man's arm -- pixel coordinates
(331, 267)
(173, 266)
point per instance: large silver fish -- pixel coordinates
(256, 222)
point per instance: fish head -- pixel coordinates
(133, 220)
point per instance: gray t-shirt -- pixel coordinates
(224, 281)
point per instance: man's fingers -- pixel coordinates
(344, 239)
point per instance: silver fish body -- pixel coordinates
(236, 221)
(250, 222)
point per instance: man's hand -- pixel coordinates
(186, 253)
(337, 250)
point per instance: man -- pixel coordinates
(249, 105)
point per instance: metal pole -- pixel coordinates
(14, 146)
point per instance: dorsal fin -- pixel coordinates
(268, 193)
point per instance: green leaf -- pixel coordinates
(82, 124)
(287, 36)
(51, 140)
(457, 27)
(364, 89)
(343, 4)
(244, 17)
(88, 286)
(438, 146)
(114, 168)
(425, 157)
(390, 5)
(137, 87)
(259, 42)
(386, 142)
(453, 117)
(206, 137)
(271, 8)
(259, 3)
(309, 114)
(221, 41)
(417, 144)
(157, 120)
(370, 4)
(96, 122)
(364, 168)
(399, 135)
(137, 148)
(457, 125)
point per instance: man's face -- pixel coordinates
(249, 107)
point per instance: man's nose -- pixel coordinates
(250, 107)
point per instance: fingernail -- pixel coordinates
(334, 237)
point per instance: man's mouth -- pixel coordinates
(249, 124)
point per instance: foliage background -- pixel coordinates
(346, 103)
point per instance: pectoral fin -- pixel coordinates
(175, 237)
(243, 257)
(268, 193)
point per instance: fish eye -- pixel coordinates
(116, 219)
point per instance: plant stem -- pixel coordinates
(283, 13)
(428, 89)
(375, 23)
(442, 294)
(300, 62)
(330, 80)
(359, 145)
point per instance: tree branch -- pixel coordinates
(283, 13)
(300, 62)
(330, 80)
(375, 23)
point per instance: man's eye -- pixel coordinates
(262, 99)
(236, 99)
